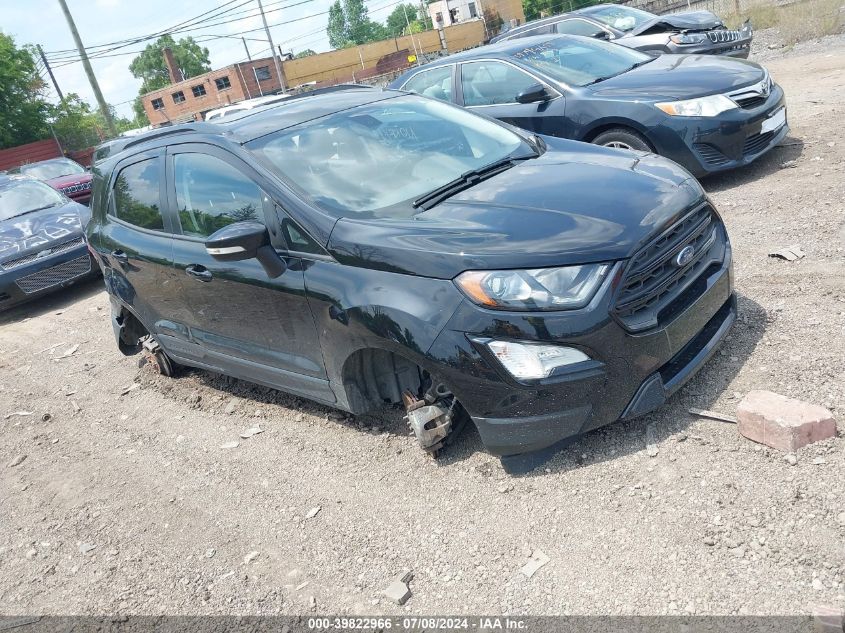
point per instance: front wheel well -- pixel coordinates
(373, 378)
(601, 129)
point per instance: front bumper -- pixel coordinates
(46, 275)
(634, 374)
(714, 144)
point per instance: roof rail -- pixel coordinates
(163, 131)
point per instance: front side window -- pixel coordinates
(374, 160)
(580, 27)
(211, 194)
(222, 83)
(491, 83)
(580, 62)
(158, 104)
(136, 195)
(19, 196)
(436, 83)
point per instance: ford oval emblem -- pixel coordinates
(685, 256)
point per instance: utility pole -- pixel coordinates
(104, 108)
(248, 56)
(50, 72)
(272, 47)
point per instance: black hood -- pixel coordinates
(33, 232)
(681, 77)
(686, 21)
(575, 204)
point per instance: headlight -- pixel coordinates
(704, 106)
(540, 289)
(685, 39)
(530, 361)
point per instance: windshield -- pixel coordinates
(578, 61)
(52, 169)
(620, 18)
(24, 195)
(375, 160)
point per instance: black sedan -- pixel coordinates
(680, 33)
(707, 113)
(42, 248)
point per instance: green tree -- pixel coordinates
(397, 23)
(191, 58)
(349, 25)
(306, 53)
(78, 126)
(23, 110)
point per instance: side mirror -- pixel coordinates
(245, 240)
(533, 94)
(602, 35)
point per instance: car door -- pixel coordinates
(233, 317)
(491, 87)
(136, 243)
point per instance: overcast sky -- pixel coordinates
(104, 21)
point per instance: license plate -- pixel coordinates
(774, 122)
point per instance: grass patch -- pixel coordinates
(796, 22)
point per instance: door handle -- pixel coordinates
(120, 256)
(199, 272)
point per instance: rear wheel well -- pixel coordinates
(595, 133)
(373, 378)
(131, 332)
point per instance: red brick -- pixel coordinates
(783, 423)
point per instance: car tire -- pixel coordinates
(620, 138)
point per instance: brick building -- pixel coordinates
(189, 99)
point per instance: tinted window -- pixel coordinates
(210, 194)
(488, 83)
(579, 62)
(579, 27)
(136, 195)
(436, 83)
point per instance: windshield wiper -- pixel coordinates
(630, 68)
(467, 180)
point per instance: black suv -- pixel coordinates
(363, 247)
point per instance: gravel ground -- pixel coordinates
(126, 503)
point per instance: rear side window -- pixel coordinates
(136, 195)
(579, 27)
(491, 83)
(211, 194)
(436, 83)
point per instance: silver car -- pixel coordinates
(692, 32)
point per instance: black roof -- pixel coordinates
(245, 126)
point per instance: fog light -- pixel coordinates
(532, 361)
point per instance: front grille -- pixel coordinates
(55, 275)
(83, 186)
(751, 102)
(27, 259)
(756, 143)
(653, 282)
(710, 154)
(723, 36)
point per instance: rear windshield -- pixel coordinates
(374, 160)
(53, 169)
(578, 61)
(24, 196)
(620, 18)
